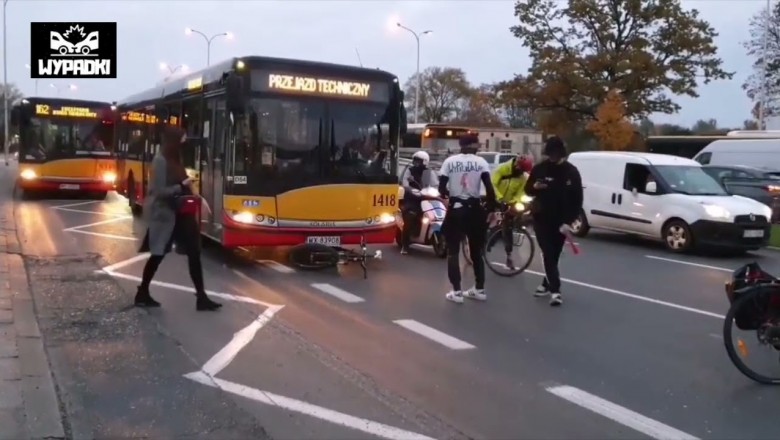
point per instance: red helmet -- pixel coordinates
(524, 163)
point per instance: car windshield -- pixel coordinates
(690, 180)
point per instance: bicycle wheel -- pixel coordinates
(521, 255)
(762, 332)
(314, 257)
(464, 249)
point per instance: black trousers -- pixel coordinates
(551, 243)
(187, 236)
(507, 227)
(411, 218)
(469, 221)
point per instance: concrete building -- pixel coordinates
(511, 140)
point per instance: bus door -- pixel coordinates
(211, 164)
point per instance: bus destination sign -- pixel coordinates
(318, 86)
(67, 111)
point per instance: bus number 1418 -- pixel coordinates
(384, 200)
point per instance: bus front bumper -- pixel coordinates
(236, 235)
(43, 184)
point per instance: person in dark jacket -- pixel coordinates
(556, 187)
(165, 226)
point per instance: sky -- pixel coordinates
(471, 35)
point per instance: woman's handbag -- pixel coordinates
(187, 204)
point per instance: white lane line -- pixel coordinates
(364, 425)
(279, 267)
(337, 293)
(619, 414)
(100, 234)
(633, 296)
(111, 220)
(70, 205)
(688, 263)
(84, 211)
(240, 339)
(125, 263)
(431, 333)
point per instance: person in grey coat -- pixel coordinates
(165, 226)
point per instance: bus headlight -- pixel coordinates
(109, 177)
(28, 174)
(244, 217)
(386, 218)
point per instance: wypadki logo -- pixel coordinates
(75, 50)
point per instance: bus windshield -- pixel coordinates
(316, 140)
(56, 138)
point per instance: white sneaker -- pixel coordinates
(474, 293)
(556, 299)
(454, 296)
(541, 291)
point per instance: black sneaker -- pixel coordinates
(556, 299)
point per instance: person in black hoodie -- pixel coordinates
(556, 187)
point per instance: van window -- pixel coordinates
(489, 157)
(704, 158)
(505, 157)
(637, 176)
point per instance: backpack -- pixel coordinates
(746, 279)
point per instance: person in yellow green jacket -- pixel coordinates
(509, 180)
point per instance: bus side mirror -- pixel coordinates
(235, 98)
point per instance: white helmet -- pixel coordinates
(423, 156)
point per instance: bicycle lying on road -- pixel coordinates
(313, 256)
(754, 318)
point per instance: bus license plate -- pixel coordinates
(69, 186)
(327, 241)
(753, 233)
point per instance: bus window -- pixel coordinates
(360, 139)
(290, 130)
(53, 138)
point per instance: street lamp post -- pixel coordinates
(189, 31)
(417, 93)
(36, 79)
(5, 86)
(55, 87)
(764, 79)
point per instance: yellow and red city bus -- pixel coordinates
(65, 146)
(284, 152)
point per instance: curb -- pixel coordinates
(41, 404)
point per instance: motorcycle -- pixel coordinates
(428, 231)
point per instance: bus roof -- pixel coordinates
(62, 101)
(213, 74)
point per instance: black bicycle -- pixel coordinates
(522, 241)
(751, 331)
(313, 256)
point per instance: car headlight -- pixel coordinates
(716, 211)
(244, 217)
(526, 199)
(386, 218)
(109, 177)
(28, 174)
(519, 207)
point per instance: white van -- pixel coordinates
(763, 153)
(668, 198)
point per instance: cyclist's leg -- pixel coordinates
(453, 234)
(476, 231)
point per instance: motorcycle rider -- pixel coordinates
(462, 177)
(416, 177)
(509, 180)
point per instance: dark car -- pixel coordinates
(760, 184)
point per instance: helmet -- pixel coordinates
(422, 156)
(524, 163)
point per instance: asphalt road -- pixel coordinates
(635, 351)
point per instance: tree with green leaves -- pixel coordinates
(582, 49)
(442, 93)
(764, 24)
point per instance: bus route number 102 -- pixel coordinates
(384, 200)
